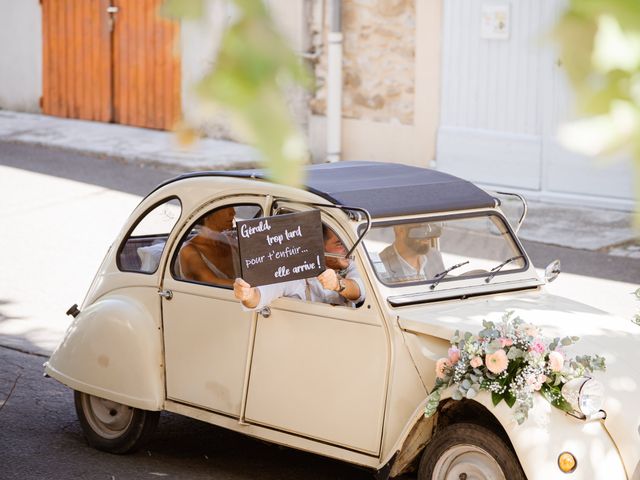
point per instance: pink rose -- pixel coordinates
(497, 362)
(536, 381)
(442, 365)
(475, 362)
(454, 355)
(505, 342)
(538, 347)
(556, 361)
(540, 380)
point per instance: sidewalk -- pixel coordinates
(568, 226)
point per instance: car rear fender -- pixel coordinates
(113, 349)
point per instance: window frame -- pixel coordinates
(176, 251)
(140, 218)
(436, 218)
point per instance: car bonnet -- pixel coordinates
(617, 339)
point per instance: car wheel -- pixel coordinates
(111, 426)
(468, 451)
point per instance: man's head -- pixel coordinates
(332, 244)
(220, 220)
(417, 236)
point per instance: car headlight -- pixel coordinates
(585, 395)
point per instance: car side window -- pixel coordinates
(208, 252)
(142, 248)
(335, 249)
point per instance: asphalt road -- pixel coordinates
(40, 437)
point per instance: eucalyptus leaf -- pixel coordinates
(514, 353)
(432, 403)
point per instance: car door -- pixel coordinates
(206, 333)
(320, 371)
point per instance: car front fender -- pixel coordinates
(113, 350)
(538, 442)
(548, 432)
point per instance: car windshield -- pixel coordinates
(437, 251)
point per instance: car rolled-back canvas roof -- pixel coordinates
(383, 189)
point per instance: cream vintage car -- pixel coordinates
(342, 381)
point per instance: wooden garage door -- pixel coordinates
(113, 67)
(76, 55)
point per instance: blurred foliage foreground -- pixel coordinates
(600, 49)
(248, 79)
(599, 45)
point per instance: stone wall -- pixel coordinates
(378, 61)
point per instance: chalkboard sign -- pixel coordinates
(281, 248)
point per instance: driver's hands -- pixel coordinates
(329, 279)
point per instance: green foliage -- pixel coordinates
(600, 49)
(182, 9)
(554, 396)
(511, 361)
(253, 67)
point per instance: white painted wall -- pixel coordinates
(20, 55)
(199, 43)
(502, 102)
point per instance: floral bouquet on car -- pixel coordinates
(513, 362)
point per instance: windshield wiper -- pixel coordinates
(439, 276)
(497, 268)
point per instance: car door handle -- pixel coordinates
(265, 312)
(166, 294)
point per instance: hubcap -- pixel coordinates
(108, 419)
(467, 462)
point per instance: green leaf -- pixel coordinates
(510, 399)
(432, 403)
(182, 9)
(515, 353)
(496, 398)
(554, 396)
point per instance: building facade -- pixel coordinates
(470, 87)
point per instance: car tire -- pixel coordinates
(466, 450)
(111, 426)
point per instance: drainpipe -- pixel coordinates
(334, 83)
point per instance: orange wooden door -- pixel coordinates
(76, 76)
(111, 67)
(146, 69)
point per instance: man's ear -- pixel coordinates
(399, 231)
